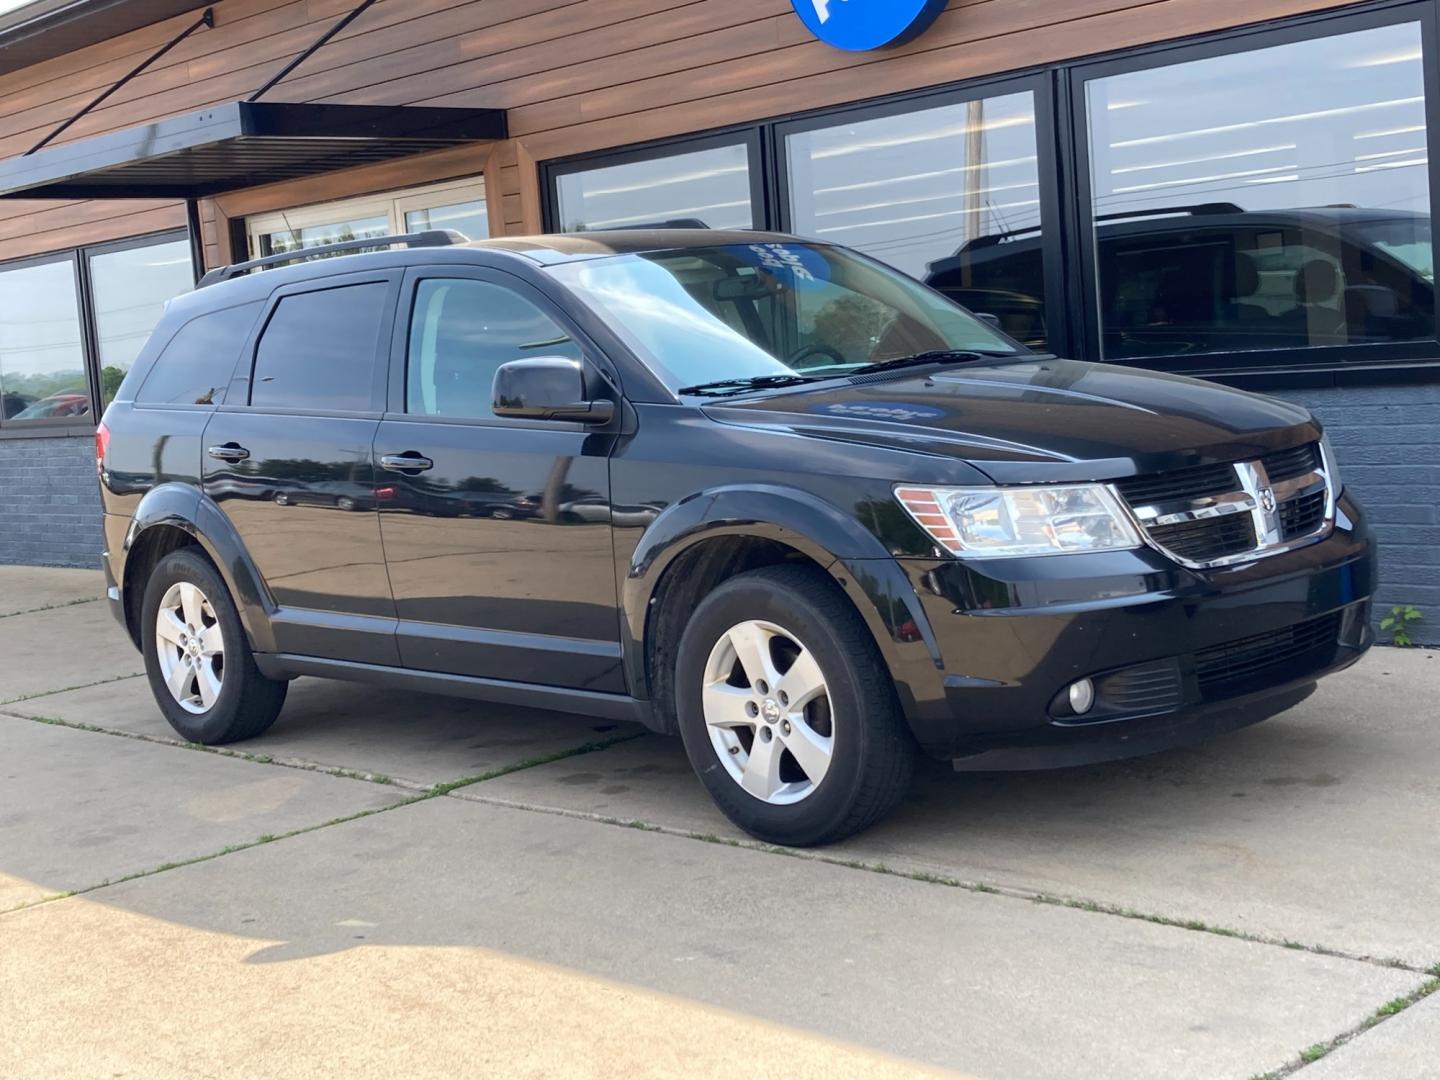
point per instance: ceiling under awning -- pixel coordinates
(238, 145)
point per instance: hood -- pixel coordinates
(1039, 420)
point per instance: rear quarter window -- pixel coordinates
(196, 367)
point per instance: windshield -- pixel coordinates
(755, 311)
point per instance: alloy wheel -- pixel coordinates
(190, 647)
(767, 710)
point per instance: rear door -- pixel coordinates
(288, 460)
(497, 531)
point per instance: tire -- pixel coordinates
(238, 702)
(791, 613)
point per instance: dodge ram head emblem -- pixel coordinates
(1267, 500)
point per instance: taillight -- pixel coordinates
(102, 445)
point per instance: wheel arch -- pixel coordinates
(704, 540)
(176, 516)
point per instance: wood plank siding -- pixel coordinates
(574, 75)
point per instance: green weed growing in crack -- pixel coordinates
(68, 689)
(1393, 1007)
(53, 607)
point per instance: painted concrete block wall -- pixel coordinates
(1387, 440)
(49, 502)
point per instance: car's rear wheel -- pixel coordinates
(197, 657)
(787, 711)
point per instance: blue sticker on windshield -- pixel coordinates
(880, 410)
(795, 261)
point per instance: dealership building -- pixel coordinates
(1234, 189)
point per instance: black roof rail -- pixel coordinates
(1175, 211)
(432, 238)
(995, 239)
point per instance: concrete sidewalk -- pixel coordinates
(566, 903)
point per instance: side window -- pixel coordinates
(461, 331)
(196, 366)
(318, 352)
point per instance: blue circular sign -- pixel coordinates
(861, 25)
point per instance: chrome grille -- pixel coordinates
(1288, 464)
(1217, 515)
(1302, 516)
(1201, 541)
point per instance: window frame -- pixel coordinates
(1244, 364)
(1040, 85)
(239, 400)
(1069, 274)
(397, 383)
(393, 205)
(79, 258)
(751, 136)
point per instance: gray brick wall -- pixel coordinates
(1386, 438)
(1387, 441)
(49, 502)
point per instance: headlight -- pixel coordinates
(1008, 523)
(1327, 455)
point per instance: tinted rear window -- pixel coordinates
(318, 352)
(196, 366)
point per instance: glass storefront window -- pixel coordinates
(1275, 198)
(336, 232)
(129, 289)
(949, 194)
(471, 218)
(709, 188)
(456, 204)
(42, 355)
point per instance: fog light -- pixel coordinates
(1082, 696)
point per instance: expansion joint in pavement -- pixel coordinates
(423, 794)
(68, 689)
(1094, 907)
(50, 607)
(1392, 1008)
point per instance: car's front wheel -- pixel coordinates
(787, 711)
(198, 659)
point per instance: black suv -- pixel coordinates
(763, 493)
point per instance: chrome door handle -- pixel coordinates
(409, 463)
(229, 452)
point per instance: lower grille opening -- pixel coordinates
(1229, 669)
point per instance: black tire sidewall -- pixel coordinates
(214, 726)
(746, 598)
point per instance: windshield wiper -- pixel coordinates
(755, 382)
(932, 356)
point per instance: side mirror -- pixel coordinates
(547, 388)
(989, 319)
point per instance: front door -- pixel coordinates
(288, 460)
(496, 532)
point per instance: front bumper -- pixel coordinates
(1176, 655)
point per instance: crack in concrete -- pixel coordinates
(50, 607)
(68, 689)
